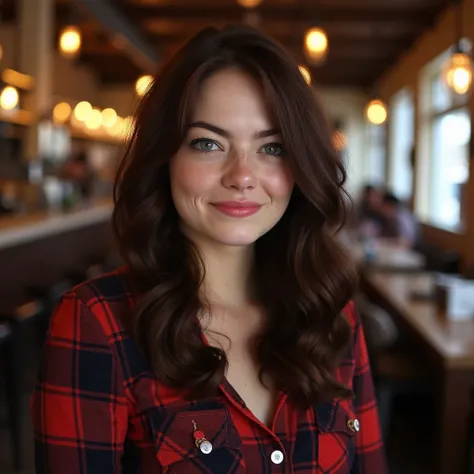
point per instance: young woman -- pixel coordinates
(228, 342)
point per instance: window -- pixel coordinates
(402, 126)
(443, 163)
(450, 167)
(376, 139)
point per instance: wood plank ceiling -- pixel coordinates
(365, 36)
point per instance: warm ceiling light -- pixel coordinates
(458, 73)
(9, 98)
(143, 84)
(116, 128)
(249, 3)
(109, 117)
(82, 111)
(305, 73)
(70, 41)
(376, 112)
(61, 112)
(316, 44)
(94, 120)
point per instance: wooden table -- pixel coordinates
(450, 346)
(388, 256)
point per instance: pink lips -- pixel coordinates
(237, 209)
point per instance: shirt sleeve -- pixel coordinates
(79, 408)
(370, 453)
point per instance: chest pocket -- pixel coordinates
(172, 431)
(338, 428)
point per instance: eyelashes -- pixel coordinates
(208, 145)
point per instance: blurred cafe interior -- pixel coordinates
(395, 78)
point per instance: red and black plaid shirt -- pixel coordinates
(98, 409)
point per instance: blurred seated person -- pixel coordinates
(398, 222)
(369, 214)
(79, 171)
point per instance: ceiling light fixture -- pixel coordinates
(249, 3)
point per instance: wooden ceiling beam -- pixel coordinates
(123, 31)
(157, 27)
(356, 12)
(347, 50)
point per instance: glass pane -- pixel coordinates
(449, 168)
(441, 99)
(377, 150)
(402, 125)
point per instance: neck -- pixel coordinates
(228, 277)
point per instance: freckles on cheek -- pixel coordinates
(190, 178)
(281, 185)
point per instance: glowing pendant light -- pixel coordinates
(9, 98)
(249, 3)
(70, 41)
(316, 45)
(458, 70)
(376, 112)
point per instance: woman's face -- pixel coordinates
(229, 180)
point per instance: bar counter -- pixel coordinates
(23, 228)
(43, 248)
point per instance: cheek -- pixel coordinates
(189, 178)
(279, 184)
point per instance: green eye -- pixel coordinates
(205, 145)
(273, 149)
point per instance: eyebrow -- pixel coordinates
(224, 133)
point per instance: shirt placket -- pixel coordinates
(277, 458)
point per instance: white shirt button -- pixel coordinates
(205, 447)
(277, 457)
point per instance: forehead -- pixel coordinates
(232, 97)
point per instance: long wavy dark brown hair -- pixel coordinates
(304, 277)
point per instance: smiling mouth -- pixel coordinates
(237, 209)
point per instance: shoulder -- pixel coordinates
(104, 301)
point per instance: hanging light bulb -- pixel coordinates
(376, 112)
(70, 41)
(82, 111)
(305, 73)
(62, 112)
(249, 3)
(9, 98)
(316, 45)
(458, 72)
(143, 84)
(109, 117)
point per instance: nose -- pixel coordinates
(239, 175)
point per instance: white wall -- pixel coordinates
(349, 105)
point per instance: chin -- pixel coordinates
(235, 241)
(236, 238)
